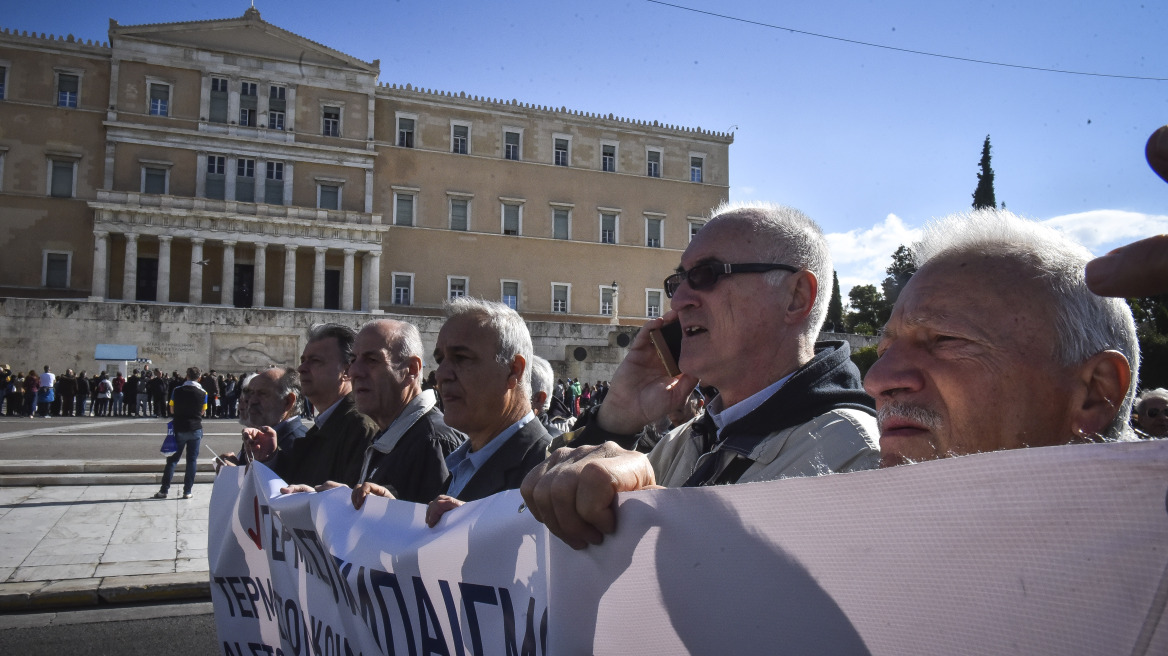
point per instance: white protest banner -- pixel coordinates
(1060, 550)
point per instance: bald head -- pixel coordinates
(386, 371)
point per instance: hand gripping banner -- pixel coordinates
(1053, 550)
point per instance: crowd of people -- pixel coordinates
(998, 341)
(144, 393)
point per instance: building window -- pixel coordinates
(694, 226)
(218, 108)
(405, 132)
(512, 218)
(455, 287)
(561, 223)
(68, 89)
(245, 180)
(607, 228)
(607, 304)
(653, 303)
(216, 184)
(562, 145)
(654, 159)
(55, 269)
(247, 104)
(403, 288)
(510, 294)
(561, 297)
(275, 120)
(608, 157)
(653, 233)
(459, 139)
(3, 82)
(277, 107)
(459, 214)
(695, 168)
(331, 126)
(511, 141)
(403, 208)
(154, 179)
(328, 196)
(62, 178)
(274, 184)
(159, 99)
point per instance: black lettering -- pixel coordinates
(292, 619)
(472, 594)
(222, 583)
(342, 570)
(431, 644)
(239, 596)
(509, 626)
(379, 580)
(257, 649)
(227, 649)
(266, 598)
(316, 627)
(452, 614)
(543, 632)
(253, 594)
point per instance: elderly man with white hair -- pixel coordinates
(997, 343)
(750, 299)
(1152, 413)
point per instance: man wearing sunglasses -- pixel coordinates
(747, 295)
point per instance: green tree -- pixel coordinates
(866, 307)
(864, 357)
(983, 196)
(901, 269)
(1151, 315)
(835, 307)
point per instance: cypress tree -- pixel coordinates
(983, 196)
(835, 307)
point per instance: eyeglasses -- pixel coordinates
(705, 276)
(1152, 413)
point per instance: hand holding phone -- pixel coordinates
(667, 341)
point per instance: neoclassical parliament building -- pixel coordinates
(206, 190)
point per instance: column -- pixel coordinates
(130, 275)
(347, 281)
(260, 275)
(373, 293)
(227, 280)
(289, 275)
(100, 265)
(318, 278)
(163, 291)
(196, 294)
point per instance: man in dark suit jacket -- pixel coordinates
(332, 449)
(483, 351)
(273, 410)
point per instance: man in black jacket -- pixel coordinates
(482, 353)
(333, 448)
(187, 404)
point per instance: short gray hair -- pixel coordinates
(289, 383)
(407, 341)
(788, 237)
(513, 336)
(1148, 395)
(541, 381)
(340, 332)
(1084, 324)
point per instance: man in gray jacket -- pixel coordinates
(749, 300)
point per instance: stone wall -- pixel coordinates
(63, 334)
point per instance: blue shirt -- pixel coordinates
(464, 463)
(727, 416)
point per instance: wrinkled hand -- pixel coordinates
(1138, 269)
(301, 487)
(228, 459)
(366, 489)
(574, 491)
(439, 507)
(641, 391)
(261, 441)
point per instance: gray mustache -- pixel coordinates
(925, 417)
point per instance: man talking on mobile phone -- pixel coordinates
(749, 300)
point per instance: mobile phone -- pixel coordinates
(667, 341)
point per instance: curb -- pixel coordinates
(110, 590)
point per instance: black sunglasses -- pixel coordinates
(705, 276)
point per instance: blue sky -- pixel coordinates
(870, 142)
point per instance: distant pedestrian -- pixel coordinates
(188, 403)
(82, 394)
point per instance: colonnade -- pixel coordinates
(371, 267)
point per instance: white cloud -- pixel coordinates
(861, 256)
(1102, 230)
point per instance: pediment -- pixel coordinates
(246, 36)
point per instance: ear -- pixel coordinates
(1104, 379)
(414, 366)
(518, 366)
(538, 400)
(803, 295)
